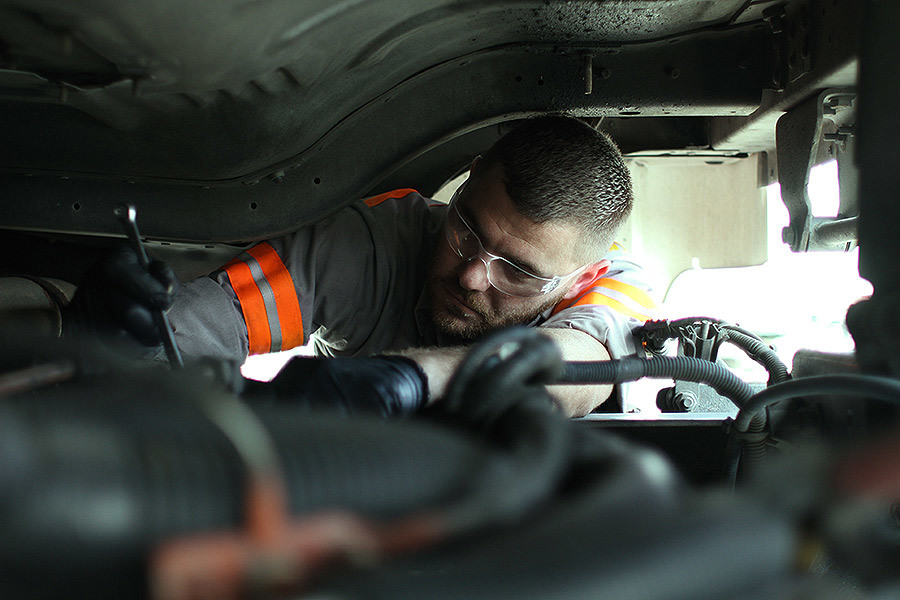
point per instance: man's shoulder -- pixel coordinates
(405, 209)
(624, 288)
(408, 195)
(402, 199)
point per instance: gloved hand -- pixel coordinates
(118, 297)
(381, 385)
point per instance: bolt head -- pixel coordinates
(787, 235)
(685, 401)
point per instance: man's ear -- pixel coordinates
(586, 278)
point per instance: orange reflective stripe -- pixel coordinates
(601, 300)
(252, 306)
(636, 294)
(593, 294)
(268, 300)
(376, 200)
(285, 295)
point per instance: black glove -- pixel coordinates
(118, 297)
(382, 385)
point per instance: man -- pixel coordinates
(524, 241)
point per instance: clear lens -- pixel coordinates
(462, 239)
(516, 281)
(502, 274)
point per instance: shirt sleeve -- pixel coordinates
(360, 274)
(332, 282)
(612, 306)
(207, 321)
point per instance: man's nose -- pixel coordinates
(473, 274)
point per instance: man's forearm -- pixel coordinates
(578, 400)
(440, 364)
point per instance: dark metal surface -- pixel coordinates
(878, 151)
(224, 94)
(833, 34)
(278, 114)
(695, 442)
(874, 322)
(380, 136)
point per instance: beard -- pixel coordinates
(460, 327)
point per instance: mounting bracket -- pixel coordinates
(829, 117)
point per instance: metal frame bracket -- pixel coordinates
(829, 117)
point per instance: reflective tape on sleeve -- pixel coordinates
(624, 298)
(268, 300)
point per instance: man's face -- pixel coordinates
(463, 303)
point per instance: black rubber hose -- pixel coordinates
(868, 386)
(139, 438)
(733, 448)
(538, 457)
(683, 368)
(740, 329)
(488, 382)
(753, 446)
(754, 449)
(532, 348)
(751, 421)
(139, 444)
(500, 396)
(757, 350)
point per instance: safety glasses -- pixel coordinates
(501, 273)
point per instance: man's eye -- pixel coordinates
(516, 275)
(468, 238)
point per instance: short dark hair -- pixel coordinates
(561, 168)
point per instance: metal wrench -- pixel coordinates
(127, 216)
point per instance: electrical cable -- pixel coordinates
(683, 368)
(678, 367)
(743, 330)
(758, 351)
(746, 340)
(751, 421)
(870, 386)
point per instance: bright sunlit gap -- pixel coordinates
(794, 300)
